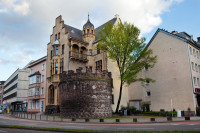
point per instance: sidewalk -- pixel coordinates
(135, 119)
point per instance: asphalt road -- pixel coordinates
(173, 126)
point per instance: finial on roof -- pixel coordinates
(88, 15)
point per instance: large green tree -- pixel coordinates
(124, 45)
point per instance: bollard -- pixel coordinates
(134, 119)
(152, 119)
(31, 116)
(24, 115)
(35, 116)
(187, 118)
(53, 118)
(47, 118)
(169, 118)
(101, 120)
(27, 115)
(40, 117)
(87, 120)
(117, 120)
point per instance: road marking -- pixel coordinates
(2, 131)
(175, 124)
(137, 128)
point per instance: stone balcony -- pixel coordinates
(78, 56)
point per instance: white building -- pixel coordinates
(16, 90)
(177, 74)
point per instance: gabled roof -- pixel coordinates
(183, 36)
(77, 34)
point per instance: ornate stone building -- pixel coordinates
(69, 49)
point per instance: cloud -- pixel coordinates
(26, 25)
(18, 6)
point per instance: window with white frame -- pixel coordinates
(33, 105)
(43, 67)
(42, 78)
(38, 104)
(194, 52)
(198, 81)
(29, 104)
(190, 50)
(42, 90)
(192, 66)
(196, 68)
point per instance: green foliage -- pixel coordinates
(123, 45)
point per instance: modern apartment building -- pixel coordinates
(177, 74)
(37, 86)
(1, 92)
(16, 90)
(71, 48)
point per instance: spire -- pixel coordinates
(88, 23)
(88, 16)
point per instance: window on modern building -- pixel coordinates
(31, 71)
(99, 65)
(51, 54)
(190, 50)
(42, 91)
(88, 31)
(63, 49)
(146, 68)
(56, 50)
(56, 68)
(42, 78)
(194, 52)
(58, 35)
(192, 66)
(148, 93)
(29, 104)
(43, 66)
(198, 82)
(90, 51)
(194, 78)
(196, 68)
(33, 105)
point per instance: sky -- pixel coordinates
(26, 25)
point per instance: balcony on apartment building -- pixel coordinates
(34, 95)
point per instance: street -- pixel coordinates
(171, 126)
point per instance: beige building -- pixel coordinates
(177, 74)
(37, 86)
(71, 48)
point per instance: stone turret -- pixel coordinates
(85, 95)
(88, 31)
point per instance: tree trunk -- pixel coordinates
(119, 100)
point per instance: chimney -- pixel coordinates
(198, 39)
(174, 32)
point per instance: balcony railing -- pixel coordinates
(78, 56)
(34, 94)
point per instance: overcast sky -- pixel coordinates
(26, 25)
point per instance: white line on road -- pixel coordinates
(2, 131)
(137, 128)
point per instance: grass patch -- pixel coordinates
(94, 131)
